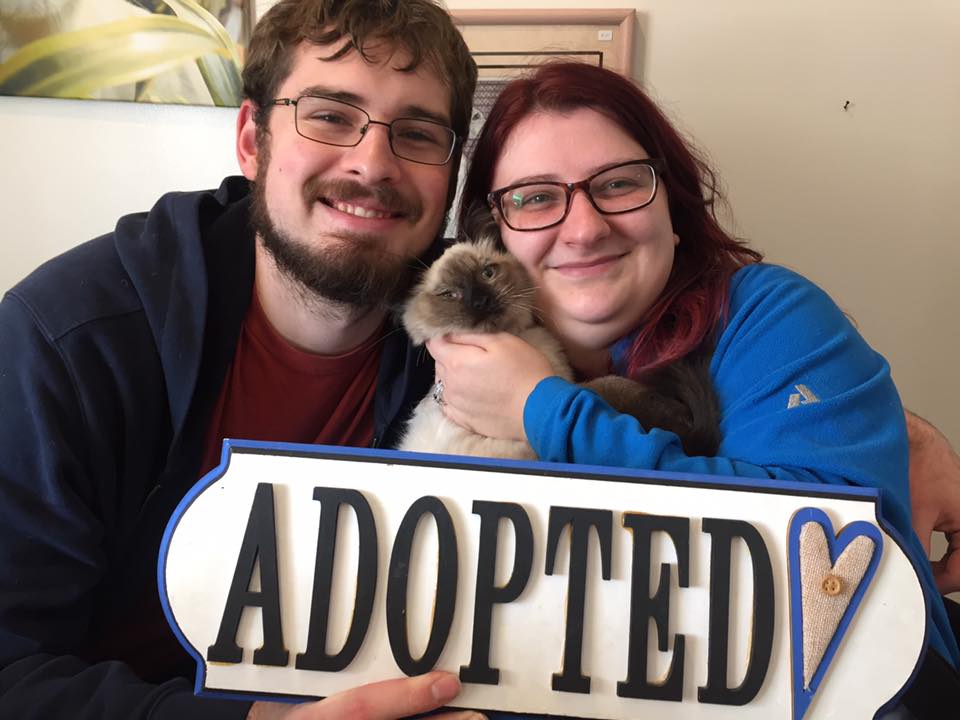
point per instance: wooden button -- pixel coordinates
(832, 585)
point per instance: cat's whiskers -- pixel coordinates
(513, 296)
(421, 356)
(420, 264)
(387, 334)
(533, 310)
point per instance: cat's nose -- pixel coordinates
(479, 300)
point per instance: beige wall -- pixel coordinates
(863, 201)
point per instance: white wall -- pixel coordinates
(863, 201)
(70, 168)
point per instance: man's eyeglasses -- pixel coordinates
(539, 205)
(334, 122)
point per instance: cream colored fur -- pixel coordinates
(429, 430)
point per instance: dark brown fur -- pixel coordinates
(679, 398)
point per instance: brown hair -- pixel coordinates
(421, 27)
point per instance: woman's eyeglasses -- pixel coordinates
(539, 205)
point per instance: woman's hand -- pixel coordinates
(487, 379)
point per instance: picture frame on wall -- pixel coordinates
(191, 51)
(506, 43)
(158, 51)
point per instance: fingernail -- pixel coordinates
(445, 688)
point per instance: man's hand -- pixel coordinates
(387, 700)
(935, 497)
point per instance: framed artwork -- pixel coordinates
(507, 43)
(160, 51)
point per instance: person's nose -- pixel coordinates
(583, 224)
(372, 160)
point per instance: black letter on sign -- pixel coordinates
(580, 522)
(479, 670)
(315, 657)
(644, 608)
(722, 533)
(446, 595)
(259, 541)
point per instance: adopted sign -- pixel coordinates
(301, 570)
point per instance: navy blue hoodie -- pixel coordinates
(111, 357)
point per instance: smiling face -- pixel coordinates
(344, 222)
(597, 275)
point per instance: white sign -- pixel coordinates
(297, 570)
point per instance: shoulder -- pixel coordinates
(763, 294)
(765, 280)
(783, 332)
(114, 274)
(83, 284)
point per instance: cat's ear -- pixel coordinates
(479, 225)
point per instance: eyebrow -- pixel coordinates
(553, 177)
(407, 111)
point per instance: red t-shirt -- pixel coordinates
(274, 391)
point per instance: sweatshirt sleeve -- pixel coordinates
(802, 398)
(51, 551)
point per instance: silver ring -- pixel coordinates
(438, 393)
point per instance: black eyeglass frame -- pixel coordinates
(495, 197)
(293, 102)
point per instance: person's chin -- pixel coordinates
(587, 300)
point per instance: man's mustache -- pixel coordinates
(385, 196)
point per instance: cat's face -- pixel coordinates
(472, 287)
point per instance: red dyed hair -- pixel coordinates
(695, 298)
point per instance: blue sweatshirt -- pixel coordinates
(802, 398)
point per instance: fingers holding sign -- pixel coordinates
(387, 700)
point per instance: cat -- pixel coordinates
(477, 287)
(473, 287)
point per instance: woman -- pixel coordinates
(613, 215)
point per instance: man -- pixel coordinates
(935, 499)
(935, 505)
(256, 311)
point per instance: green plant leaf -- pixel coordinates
(221, 74)
(78, 63)
(222, 80)
(196, 14)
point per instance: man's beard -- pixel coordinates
(354, 270)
